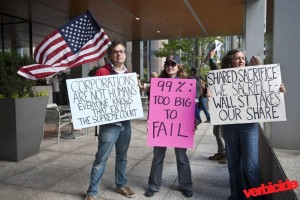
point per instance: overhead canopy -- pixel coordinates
(158, 19)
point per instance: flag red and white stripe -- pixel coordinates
(80, 41)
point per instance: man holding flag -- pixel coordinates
(81, 41)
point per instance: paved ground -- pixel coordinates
(62, 172)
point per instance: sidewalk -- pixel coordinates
(62, 172)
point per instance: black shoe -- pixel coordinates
(149, 192)
(187, 193)
(217, 156)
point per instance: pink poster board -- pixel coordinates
(171, 113)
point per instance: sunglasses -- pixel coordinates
(173, 64)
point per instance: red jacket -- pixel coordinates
(105, 70)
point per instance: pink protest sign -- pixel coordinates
(172, 112)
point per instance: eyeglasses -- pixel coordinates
(116, 52)
(173, 64)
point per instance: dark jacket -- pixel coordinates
(213, 65)
(204, 91)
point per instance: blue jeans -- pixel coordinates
(56, 98)
(183, 168)
(110, 135)
(197, 113)
(202, 106)
(219, 138)
(241, 141)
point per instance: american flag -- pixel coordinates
(80, 41)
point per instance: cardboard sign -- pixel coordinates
(246, 95)
(172, 112)
(217, 45)
(104, 99)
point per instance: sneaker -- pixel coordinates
(223, 161)
(126, 191)
(89, 197)
(217, 156)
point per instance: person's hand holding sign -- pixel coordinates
(282, 88)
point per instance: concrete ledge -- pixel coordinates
(275, 167)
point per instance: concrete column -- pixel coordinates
(254, 28)
(148, 63)
(128, 62)
(156, 62)
(141, 65)
(234, 42)
(137, 57)
(285, 34)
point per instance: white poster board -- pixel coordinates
(217, 45)
(104, 99)
(246, 95)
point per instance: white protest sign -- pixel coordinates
(217, 45)
(104, 99)
(246, 95)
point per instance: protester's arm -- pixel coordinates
(212, 64)
(140, 85)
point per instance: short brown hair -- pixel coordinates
(113, 45)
